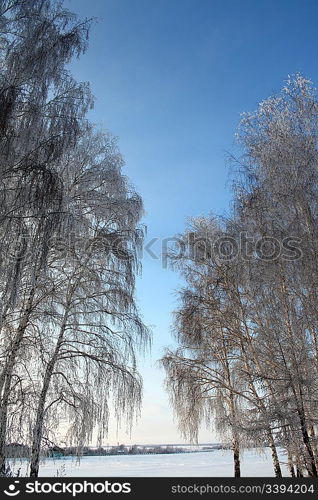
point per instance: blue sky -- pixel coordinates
(170, 80)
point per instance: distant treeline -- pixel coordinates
(22, 451)
(127, 450)
(133, 450)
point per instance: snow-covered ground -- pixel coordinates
(216, 463)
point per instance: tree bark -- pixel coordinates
(276, 464)
(236, 458)
(312, 469)
(38, 428)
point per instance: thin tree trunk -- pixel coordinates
(259, 402)
(38, 429)
(312, 469)
(290, 464)
(6, 378)
(235, 441)
(236, 458)
(276, 464)
(312, 434)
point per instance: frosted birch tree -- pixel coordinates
(43, 110)
(98, 326)
(263, 297)
(69, 325)
(278, 194)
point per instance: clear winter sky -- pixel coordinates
(171, 78)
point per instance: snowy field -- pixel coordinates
(216, 463)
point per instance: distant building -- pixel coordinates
(55, 452)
